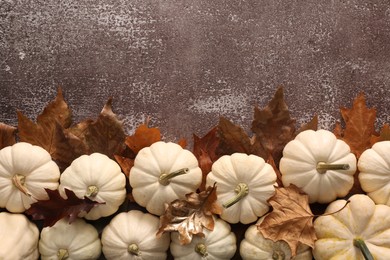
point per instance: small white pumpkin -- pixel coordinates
(244, 184)
(340, 234)
(218, 244)
(320, 164)
(18, 236)
(374, 176)
(25, 171)
(255, 247)
(132, 235)
(162, 173)
(76, 241)
(99, 178)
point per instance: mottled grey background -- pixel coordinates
(185, 63)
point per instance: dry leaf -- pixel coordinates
(56, 207)
(205, 151)
(384, 135)
(291, 219)
(7, 135)
(273, 126)
(183, 143)
(190, 216)
(312, 125)
(125, 163)
(143, 137)
(57, 109)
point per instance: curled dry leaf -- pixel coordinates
(56, 207)
(291, 219)
(190, 216)
(7, 135)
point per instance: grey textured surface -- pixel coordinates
(185, 63)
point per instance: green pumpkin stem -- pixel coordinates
(165, 177)
(323, 167)
(242, 190)
(359, 243)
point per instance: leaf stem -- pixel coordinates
(359, 243)
(242, 190)
(165, 177)
(322, 167)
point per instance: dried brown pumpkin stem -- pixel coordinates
(165, 177)
(242, 190)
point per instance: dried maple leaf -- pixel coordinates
(205, 151)
(233, 139)
(190, 216)
(56, 207)
(312, 125)
(143, 137)
(125, 163)
(7, 135)
(291, 219)
(273, 126)
(384, 135)
(359, 125)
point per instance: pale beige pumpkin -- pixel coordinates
(25, 172)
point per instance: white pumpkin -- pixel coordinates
(132, 235)
(25, 171)
(374, 176)
(360, 224)
(218, 244)
(162, 173)
(255, 247)
(76, 241)
(18, 236)
(99, 178)
(320, 164)
(244, 184)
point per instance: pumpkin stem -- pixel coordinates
(134, 249)
(165, 177)
(201, 249)
(322, 167)
(62, 254)
(278, 255)
(92, 191)
(359, 243)
(242, 190)
(19, 180)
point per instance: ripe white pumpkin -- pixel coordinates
(99, 178)
(374, 172)
(255, 247)
(360, 221)
(132, 235)
(25, 171)
(76, 241)
(162, 173)
(219, 244)
(244, 184)
(18, 236)
(320, 164)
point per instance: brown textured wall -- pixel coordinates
(185, 63)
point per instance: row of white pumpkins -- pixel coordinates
(315, 161)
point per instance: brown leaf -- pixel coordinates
(291, 219)
(143, 137)
(183, 143)
(312, 125)
(58, 110)
(384, 135)
(233, 139)
(56, 207)
(278, 173)
(205, 151)
(7, 135)
(125, 163)
(105, 135)
(273, 126)
(190, 216)
(359, 125)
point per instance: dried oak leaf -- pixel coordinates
(205, 151)
(233, 139)
(56, 207)
(7, 135)
(273, 126)
(384, 135)
(359, 125)
(190, 216)
(291, 219)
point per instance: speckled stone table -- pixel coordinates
(185, 63)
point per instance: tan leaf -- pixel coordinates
(312, 125)
(190, 216)
(273, 126)
(57, 109)
(291, 219)
(384, 135)
(7, 135)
